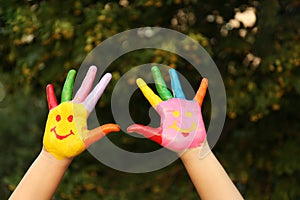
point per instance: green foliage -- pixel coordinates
(41, 40)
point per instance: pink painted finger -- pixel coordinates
(51, 98)
(94, 96)
(153, 134)
(86, 85)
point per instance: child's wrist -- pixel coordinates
(51, 159)
(190, 153)
(199, 152)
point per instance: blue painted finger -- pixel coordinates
(175, 83)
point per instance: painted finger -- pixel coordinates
(160, 84)
(175, 83)
(148, 93)
(147, 131)
(51, 98)
(99, 132)
(86, 85)
(66, 94)
(96, 93)
(201, 91)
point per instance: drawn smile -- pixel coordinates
(61, 137)
(184, 132)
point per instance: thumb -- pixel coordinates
(99, 132)
(147, 131)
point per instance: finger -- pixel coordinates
(51, 98)
(147, 131)
(86, 85)
(94, 96)
(148, 93)
(99, 132)
(160, 84)
(201, 91)
(175, 83)
(66, 94)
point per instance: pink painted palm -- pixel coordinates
(181, 124)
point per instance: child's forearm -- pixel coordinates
(209, 177)
(42, 178)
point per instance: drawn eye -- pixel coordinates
(176, 113)
(188, 114)
(70, 118)
(58, 118)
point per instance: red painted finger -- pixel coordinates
(153, 134)
(51, 98)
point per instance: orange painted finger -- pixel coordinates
(99, 132)
(201, 91)
(107, 128)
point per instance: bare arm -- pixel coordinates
(42, 178)
(207, 174)
(64, 137)
(209, 177)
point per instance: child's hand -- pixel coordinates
(66, 133)
(181, 124)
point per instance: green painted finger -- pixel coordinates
(66, 94)
(160, 84)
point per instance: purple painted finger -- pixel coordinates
(86, 85)
(94, 96)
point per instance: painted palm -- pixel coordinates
(181, 125)
(66, 133)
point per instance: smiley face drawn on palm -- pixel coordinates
(66, 134)
(64, 131)
(62, 118)
(181, 124)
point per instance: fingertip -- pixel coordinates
(135, 128)
(154, 69)
(107, 128)
(49, 90)
(113, 127)
(204, 81)
(172, 70)
(92, 71)
(107, 76)
(72, 71)
(130, 128)
(173, 75)
(140, 82)
(105, 79)
(204, 85)
(71, 74)
(93, 68)
(49, 87)
(116, 128)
